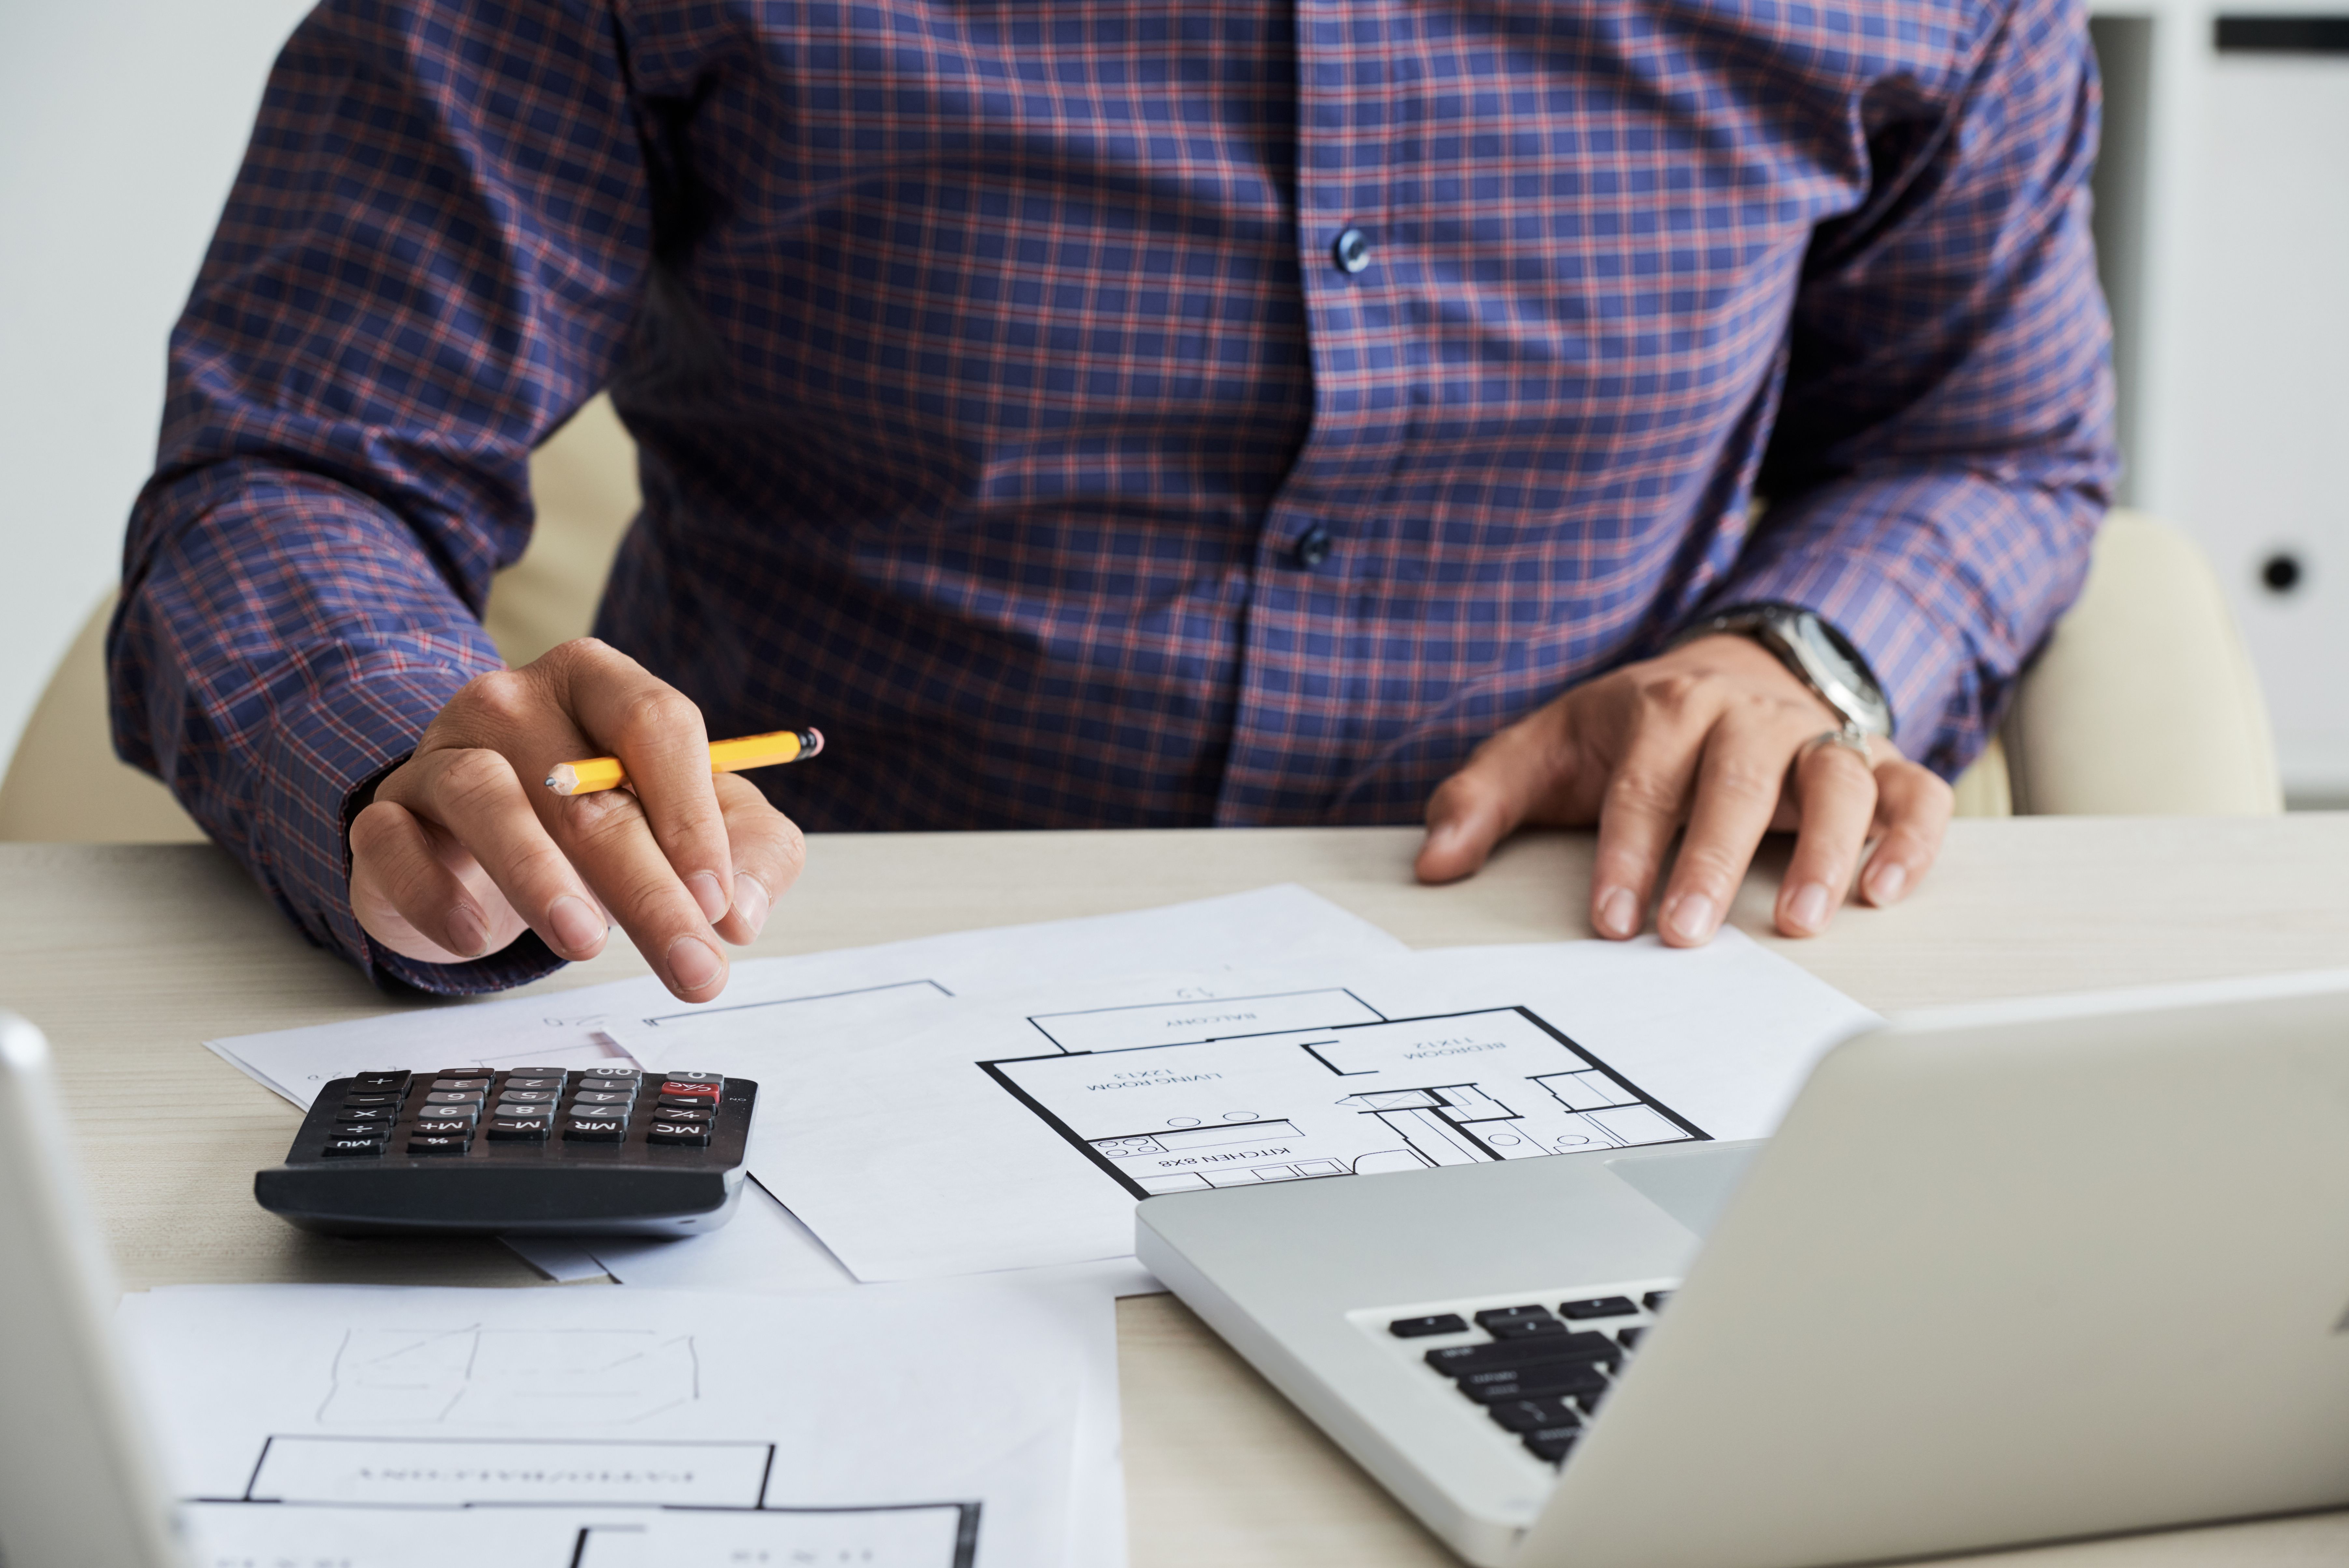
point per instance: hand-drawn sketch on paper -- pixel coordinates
(508, 1378)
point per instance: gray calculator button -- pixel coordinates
(601, 1098)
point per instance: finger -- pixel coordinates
(1837, 792)
(399, 879)
(1471, 811)
(612, 846)
(1738, 783)
(768, 849)
(1913, 805)
(1639, 814)
(474, 794)
(657, 733)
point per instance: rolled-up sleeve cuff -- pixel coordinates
(361, 723)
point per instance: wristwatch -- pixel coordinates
(1815, 651)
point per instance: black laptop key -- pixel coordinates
(1598, 1306)
(1562, 1381)
(1532, 1415)
(1421, 1327)
(1654, 1300)
(1551, 1443)
(1453, 1359)
(1491, 1317)
(1529, 1328)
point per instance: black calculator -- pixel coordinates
(524, 1151)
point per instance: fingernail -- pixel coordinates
(693, 963)
(751, 901)
(709, 895)
(1886, 881)
(470, 936)
(1808, 907)
(1691, 917)
(1618, 913)
(577, 928)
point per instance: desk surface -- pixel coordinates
(129, 956)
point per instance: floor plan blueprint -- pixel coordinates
(938, 1425)
(1251, 1097)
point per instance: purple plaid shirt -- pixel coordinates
(1096, 412)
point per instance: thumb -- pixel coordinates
(1471, 811)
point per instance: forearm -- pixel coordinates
(282, 641)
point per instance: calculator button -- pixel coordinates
(601, 1129)
(473, 1084)
(378, 1080)
(368, 1114)
(551, 1082)
(689, 1086)
(685, 1114)
(356, 1098)
(353, 1147)
(513, 1096)
(453, 1097)
(608, 1075)
(555, 1073)
(444, 1127)
(359, 1129)
(436, 1144)
(692, 1134)
(519, 1129)
(713, 1079)
(685, 1102)
(1420, 1327)
(602, 1098)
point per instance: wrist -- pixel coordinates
(1814, 653)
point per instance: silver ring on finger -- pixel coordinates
(1850, 737)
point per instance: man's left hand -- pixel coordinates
(1711, 738)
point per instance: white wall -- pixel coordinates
(121, 128)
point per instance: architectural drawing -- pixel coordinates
(1234, 1104)
(555, 1379)
(543, 1503)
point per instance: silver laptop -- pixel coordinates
(2006, 1274)
(79, 1487)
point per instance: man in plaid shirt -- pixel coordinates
(1100, 413)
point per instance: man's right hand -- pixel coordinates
(463, 846)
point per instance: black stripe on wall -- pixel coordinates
(2283, 35)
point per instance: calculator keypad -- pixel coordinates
(461, 1109)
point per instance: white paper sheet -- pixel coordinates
(1019, 1128)
(935, 1427)
(765, 1249)
(570, 1029)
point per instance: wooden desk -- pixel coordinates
(128, 957)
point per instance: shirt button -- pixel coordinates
(1312, 547)
(1352, 251)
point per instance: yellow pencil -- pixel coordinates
(725, 757)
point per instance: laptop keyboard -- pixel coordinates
(1539, 1368)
